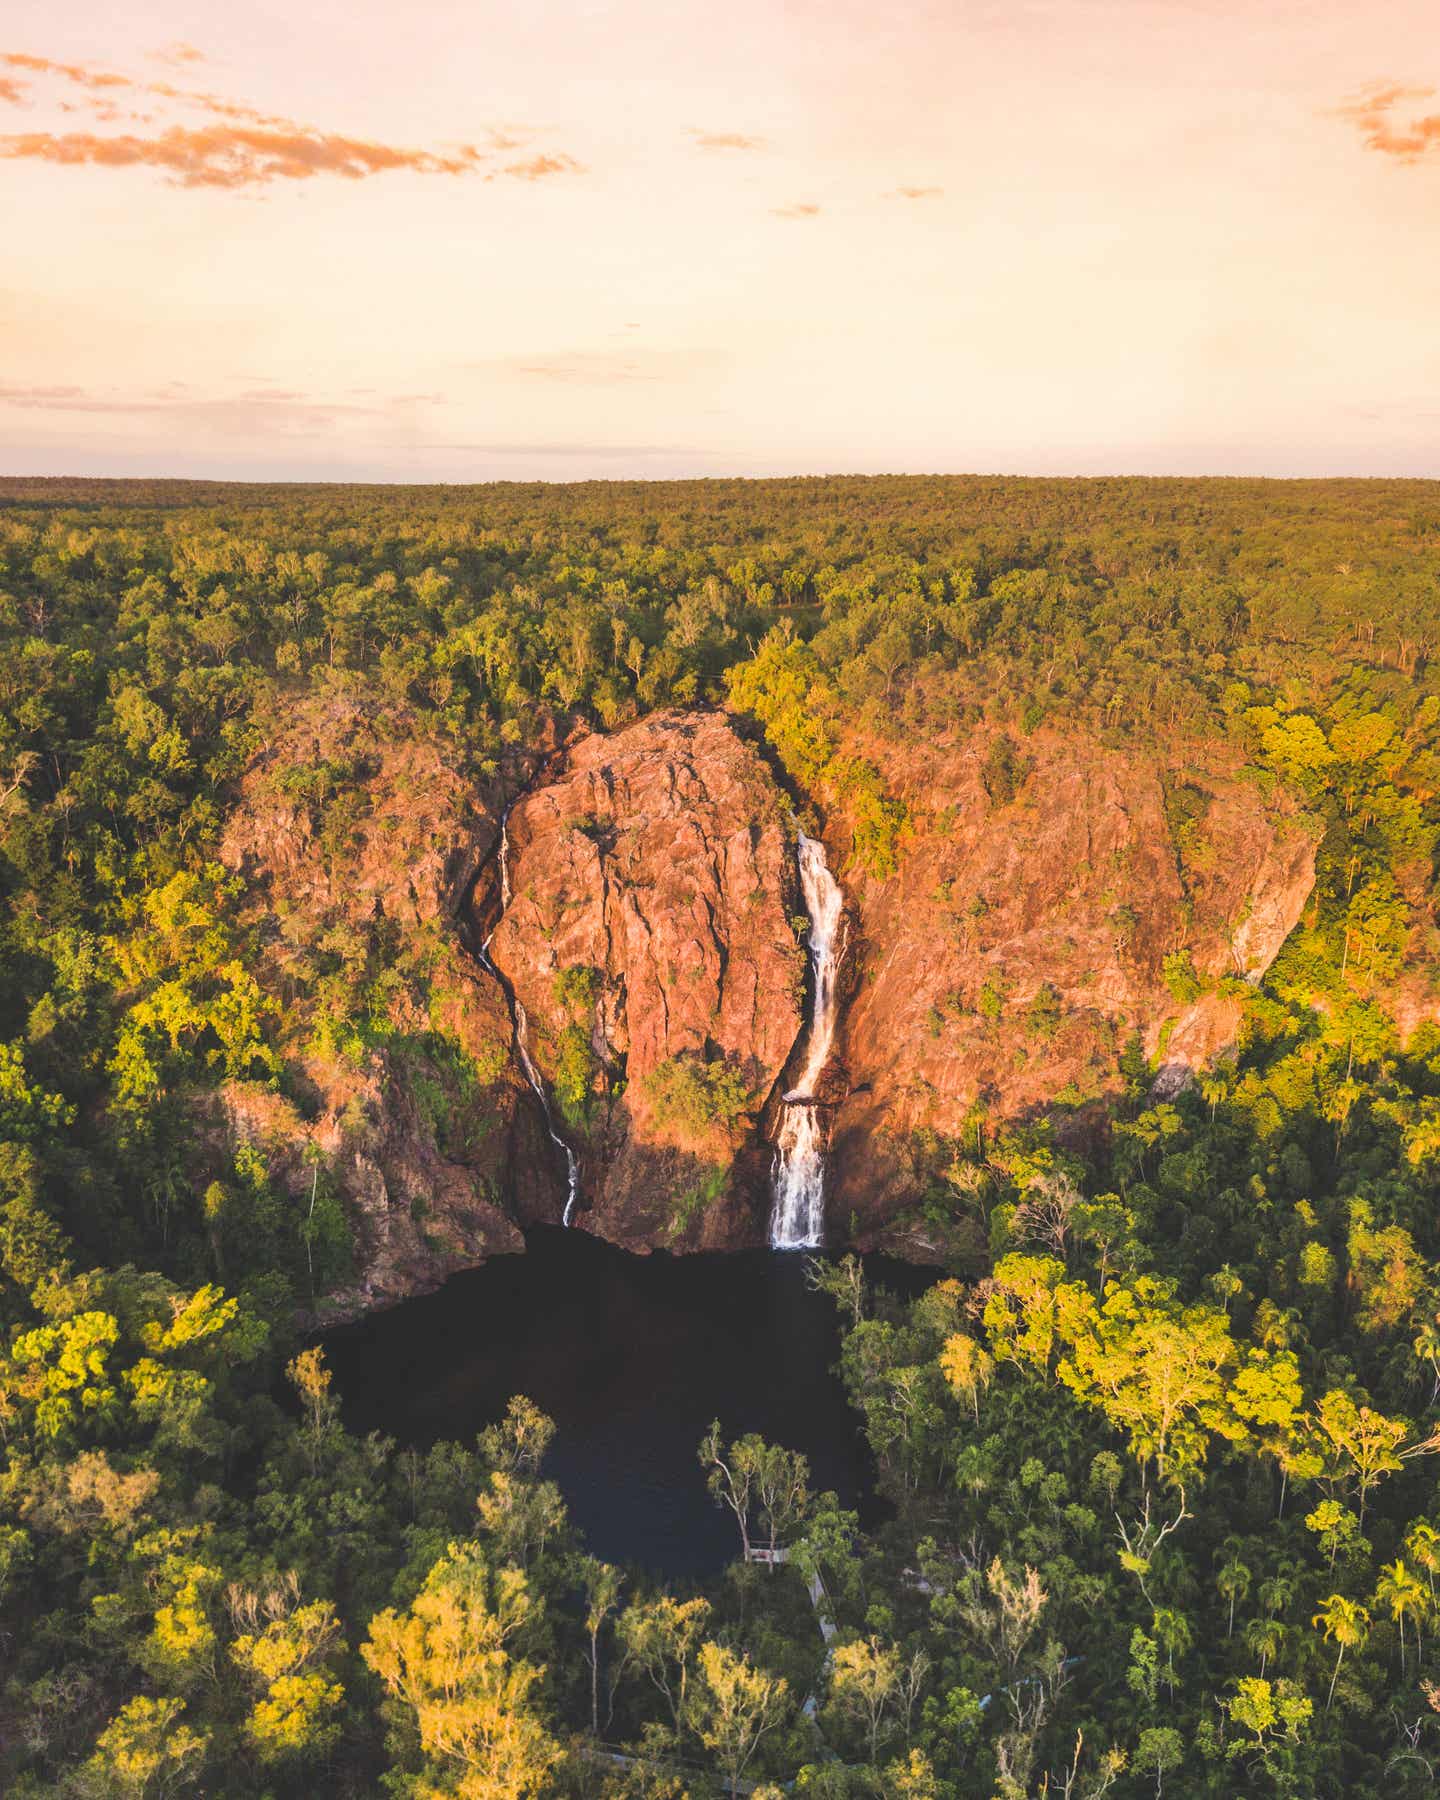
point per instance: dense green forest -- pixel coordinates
(1160, 1464)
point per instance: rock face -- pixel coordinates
(360, 839)
(1055, 902)
(649, 937)
(417, 1212)
(1024, 940)
(353, 811)
(1414, 998)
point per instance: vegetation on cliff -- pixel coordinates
(1160, 1446)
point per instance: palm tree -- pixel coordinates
(1422, 1546)
(1264, 1638)
(1173, 1634)
(1276, 1592)
(1233, 1582)
(1346, 1623)
(1399, 1589)
(1215, 1087)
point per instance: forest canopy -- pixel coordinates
(1158, 1445)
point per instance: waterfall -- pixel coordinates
(522, 1038)
(797, 1221)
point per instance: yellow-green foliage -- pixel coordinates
(574, 1077)
(784, 689)
(191, 992)
(696, 1095)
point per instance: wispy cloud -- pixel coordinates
(100, 87)
(915, 193)
(77, 73)
(178, 54)
(234, 156)
(726, 140)
(801, 209)
(235, 145)
(605, 368)
(33, 395)
(590, 369)
(1373, 110)
(269, 409)
(538, 168)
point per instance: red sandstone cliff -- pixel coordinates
(651, 937)
(1024, 938)
(359, 837)
(660, 858)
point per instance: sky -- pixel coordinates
(463, 240)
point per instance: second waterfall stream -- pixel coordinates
(522, 1040)
(797, 1221)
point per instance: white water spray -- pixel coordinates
(797, 1221)
(522, 1040)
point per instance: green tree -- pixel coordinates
(662, 1636)
(145, 1750)
(450, 1660)
(1346, 1624)
(736, 1706)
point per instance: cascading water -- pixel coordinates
(797, 1221)
(522, 1040)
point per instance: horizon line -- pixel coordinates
(292, 481)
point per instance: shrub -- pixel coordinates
(697, 1095)
(1002, 771)
(1046, 1011)
(690, 1206)
(1182, 977)
(576, 990)
(574, 1075)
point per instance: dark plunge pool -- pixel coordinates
(632, 1356)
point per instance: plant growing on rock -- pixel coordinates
(698, 1096)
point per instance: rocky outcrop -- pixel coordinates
(1414, 997)
(417, 1214)
(359, 834)
(1024, 940)
(650, 939)
(1056, 902)
(352, 811)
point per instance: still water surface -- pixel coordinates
(632, 1357)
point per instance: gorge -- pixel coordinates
(647, 912)
(663, 969)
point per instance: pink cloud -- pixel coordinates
(179, 53)
(537, 168)
(1370, 112)
(239, 145)
(234, 156)
(727, 140)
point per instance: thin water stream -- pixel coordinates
(522, 1038)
